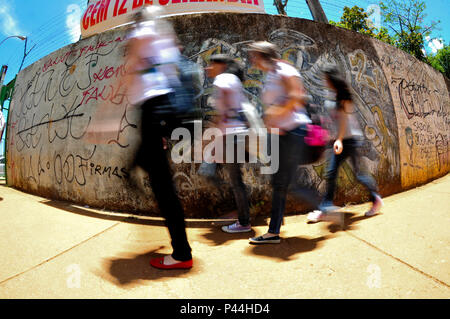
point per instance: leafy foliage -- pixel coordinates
(405, 18)
(441, 61)
(357, 19)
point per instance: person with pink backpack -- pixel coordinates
(284, 99)
(347, 144)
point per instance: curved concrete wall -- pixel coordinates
(402, 106)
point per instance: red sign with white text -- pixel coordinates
(102, 15)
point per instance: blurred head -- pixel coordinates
(152, 16)
(220, 63)
(336, 82)
(333, 79)
(148, 13)
(263, 54)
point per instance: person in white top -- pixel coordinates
(151, 56)
(283, 98)
(151, 59)
(228, 98)
(347, 144)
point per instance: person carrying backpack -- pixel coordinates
(283, 97)
(228, 97)
(347, 144)
(151, 84)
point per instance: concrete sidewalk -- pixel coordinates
(53, 249)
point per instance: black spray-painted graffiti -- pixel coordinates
(67, 168)
(416, 99)
(56, 105)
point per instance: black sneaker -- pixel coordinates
(268, 240)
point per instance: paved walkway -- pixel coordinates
(53, 249)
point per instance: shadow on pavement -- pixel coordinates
(132, 271)
(218, 237)
(88, 213)
(287, 248)
(135, 219)
(350, 221)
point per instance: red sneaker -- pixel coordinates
(159, 263)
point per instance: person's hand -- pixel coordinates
(164, 142)
(275, 131)
(273, 115)
(338, 147)
(275, 112)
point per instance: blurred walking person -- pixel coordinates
(228, 97)
(347, 144)
(283, 97)
(151, 65)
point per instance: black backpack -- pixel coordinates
(186, 97)
(185, 107)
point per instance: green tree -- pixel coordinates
(383, 35)
(405, 19)
(441, 61)
(357, 19)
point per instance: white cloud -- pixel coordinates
(8, 23)
(435, 44)
(73, 22)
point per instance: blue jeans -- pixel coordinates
(291, 151)
(351, 149)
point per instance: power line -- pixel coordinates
(48, 35)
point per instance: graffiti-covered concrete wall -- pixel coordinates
(421, 99)
(402, 107)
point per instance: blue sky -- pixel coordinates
(52, 24)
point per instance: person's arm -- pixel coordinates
(222, 104)
(347, 107)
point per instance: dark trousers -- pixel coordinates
(153, 159)
(291, 152)
(239, 191)
(237, 184)
(351, 149)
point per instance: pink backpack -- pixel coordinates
(316, 136)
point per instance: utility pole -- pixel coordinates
(317, 11)
(3, 74)
(25, 53)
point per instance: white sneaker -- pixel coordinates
(237, 228)
(315, 216)
(376, 206)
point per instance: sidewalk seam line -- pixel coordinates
(59, 254)
(399, 260)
